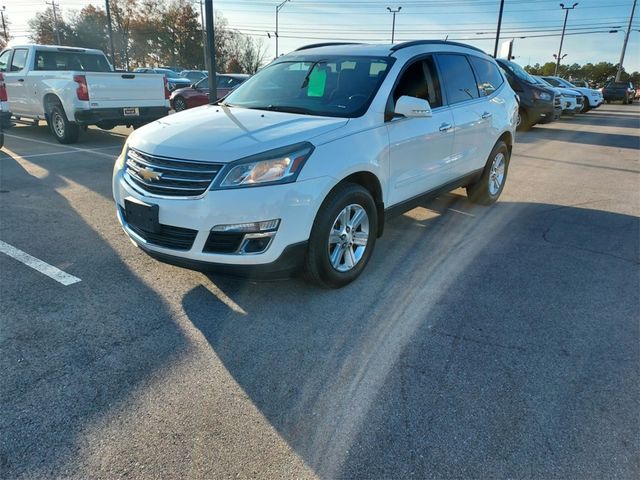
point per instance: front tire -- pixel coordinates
(585, 105)
(64, 130)
(523, 121)
(488, 188)
(343, 237)
(179, 104)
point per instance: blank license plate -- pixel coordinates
(131, 111)
(142, 215)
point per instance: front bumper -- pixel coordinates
(295, 204)
(117, 117)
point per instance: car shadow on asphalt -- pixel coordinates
(606, 120)
(477, 343)
(70, 355)
(554, 133)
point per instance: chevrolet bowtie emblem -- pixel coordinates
(149, 175)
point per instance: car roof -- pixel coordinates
(381, 50)
(56, 48)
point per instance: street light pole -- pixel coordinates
(393, 25)
(278, 8)
(626, 39)
(495, 49)
(566, 15)
(204, 40)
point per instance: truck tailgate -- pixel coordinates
(122, 89)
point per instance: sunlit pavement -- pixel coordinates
(479, 343)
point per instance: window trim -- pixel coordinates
(448, 103)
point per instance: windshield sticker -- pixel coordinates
(317, 83)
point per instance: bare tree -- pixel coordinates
(253, 54)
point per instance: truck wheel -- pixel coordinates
(64, 130)
(490, 185)
(342, 237)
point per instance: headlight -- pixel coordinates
(540, 95)
(278, 166)
(122, 158)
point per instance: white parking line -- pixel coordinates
(84, 150)
(68, 147)
(42, 267)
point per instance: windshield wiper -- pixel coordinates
(305, 82)
(286, 109)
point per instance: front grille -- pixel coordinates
(177, 238)
(223, 242)
(175, 177)
(579, 100)
(557, 101)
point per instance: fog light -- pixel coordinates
(250, 227)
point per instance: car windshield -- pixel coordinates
(327, 86)
(542, 81)
(519, 72)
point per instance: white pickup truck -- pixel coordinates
(73, 87)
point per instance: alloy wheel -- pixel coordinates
(496, 174)
(348, 238)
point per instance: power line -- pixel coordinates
(55, 19)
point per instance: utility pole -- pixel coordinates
(4, 26)
(278, 8)
(55, 19)
(626, 39)
(204, 40)
(110, 28)
(495, 49)
(208, 12)
(393, 25)
(566, 15)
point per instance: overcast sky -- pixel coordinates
(309, 21)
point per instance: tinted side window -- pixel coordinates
(4, 59)
(420, 80)
(489, 78)
(19, 59)
(457, 78)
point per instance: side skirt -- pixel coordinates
(416, 201)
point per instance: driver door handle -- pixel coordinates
(445, 127)
(486, 115)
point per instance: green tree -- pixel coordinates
(43, 30)
(89, 28)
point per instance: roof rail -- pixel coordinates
(325, 44)
(400, 46)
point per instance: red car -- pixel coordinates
(198, 93)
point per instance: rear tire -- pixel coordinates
(65, 131)
(343, 237)
(490, 185)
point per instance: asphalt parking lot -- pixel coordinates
(479, 343)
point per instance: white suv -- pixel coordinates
(300, 166)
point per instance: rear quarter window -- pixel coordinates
(488, 76)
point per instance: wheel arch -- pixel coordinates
(507, 138)
(371, 183)
(49, 101)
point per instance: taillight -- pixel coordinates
(167, 93)
(3, 89)
(82, 91)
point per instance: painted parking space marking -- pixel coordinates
(67, 147)
(43, 267)
(84, 150)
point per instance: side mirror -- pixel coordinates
(407, 106)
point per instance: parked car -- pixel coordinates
(570, 100)
(173, 69)
(300, 166)
(623, 91)
(591, 98)
(198, 93)
(580, 83)
(75, 87)
(193, 75)
(5, 113)
(174, 80)
(538, 104)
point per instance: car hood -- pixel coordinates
(220, 134)
(570, 92)
(587, 91)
